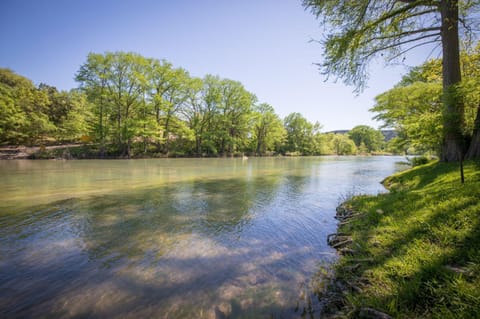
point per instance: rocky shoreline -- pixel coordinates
(347, 278)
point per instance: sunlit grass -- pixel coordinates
(422, 243)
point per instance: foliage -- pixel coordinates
(415, 111)
(366, 137)
(342, 145)
(418, 246)
(268, 131)
(419, 160)
(131, 106)
(140, 99)
(24, 110)
(414, 106)
(301, 134)
(358, 31)
(114, 82)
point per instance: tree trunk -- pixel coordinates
(166, 135)
(453, 117)
(102, 133)
(198, 143)
(474, 149)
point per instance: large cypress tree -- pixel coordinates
(358, 31)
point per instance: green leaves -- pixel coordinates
(357, 31)
(369, 138)
(136, 97)
(268, 131)
(24, 110)
(414, 106)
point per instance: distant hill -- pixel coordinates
(388, 134)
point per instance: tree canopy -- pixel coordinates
(414, 106)
(366, 139)
(359, 31)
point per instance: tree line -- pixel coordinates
(127, 105)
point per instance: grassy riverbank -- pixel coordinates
(415, 251)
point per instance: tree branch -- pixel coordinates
(374, 51)
(413, 47)
(391, 14)
(402, 34)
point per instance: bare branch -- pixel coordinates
(402, 34)
(436, 40)
(374, 51)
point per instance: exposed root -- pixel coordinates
(369, 313)
(343, 243)
(354, 287)
(347, 251)
(353, 268)
(362, 260)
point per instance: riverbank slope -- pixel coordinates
(413, 252)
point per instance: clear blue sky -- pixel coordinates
(262, 43)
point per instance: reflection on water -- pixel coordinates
(195, 238)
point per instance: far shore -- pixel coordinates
(82, 151)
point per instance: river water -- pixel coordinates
(179, 238)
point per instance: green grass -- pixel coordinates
(418, 246)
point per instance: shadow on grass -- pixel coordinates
(424, 245)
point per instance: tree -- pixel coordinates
(415, 112)
(322, 144)
(77, 120)
(68, 111)
(342, 145)
(414, 106)
(200, 110)
(366, 136)
(170, 92)
(24, 110)
(469, 90)
(233, 117)
(300, 133)
(364, 29)
(12, 118)
(268, 130)
(113, 82)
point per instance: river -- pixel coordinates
(172, 238)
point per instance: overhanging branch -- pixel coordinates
(375, 51)
(401, 35)
(436, 40)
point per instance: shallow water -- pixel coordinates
(183, 238)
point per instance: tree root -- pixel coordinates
(347, 251)
(352, 268)
(349, 218)
(369, 313)
(343, 243)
